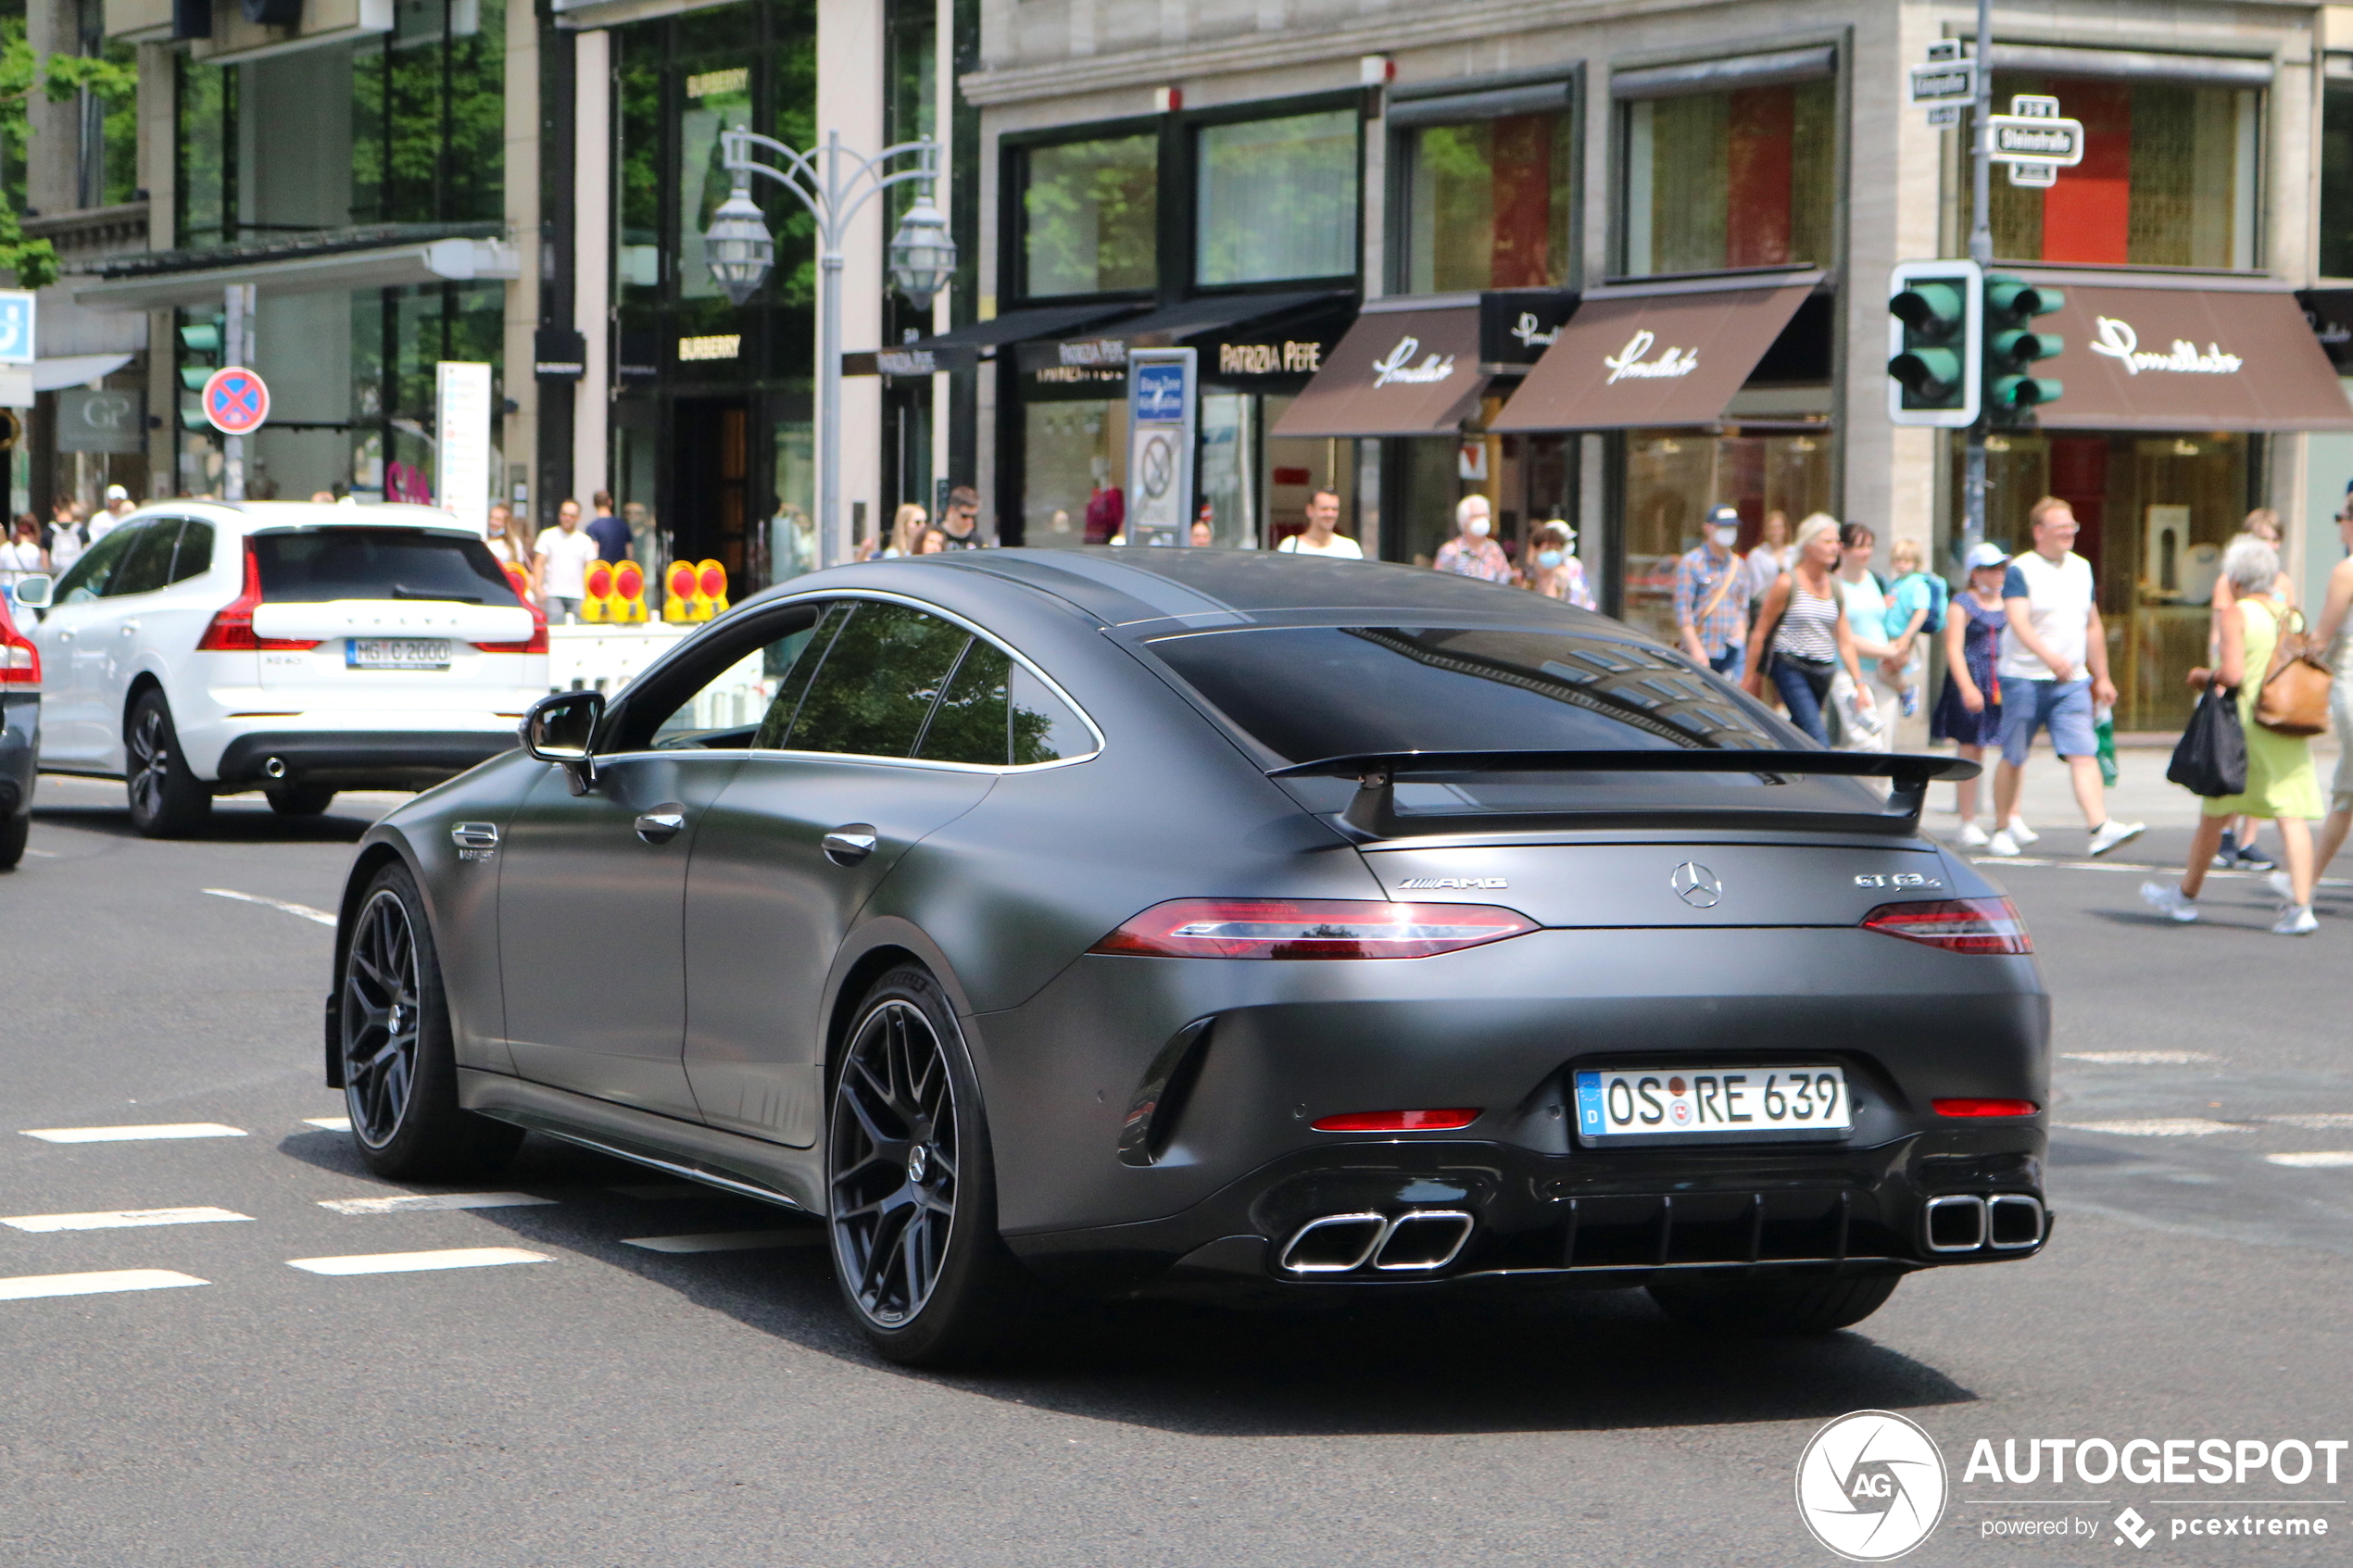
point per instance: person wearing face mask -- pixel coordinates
(1471, 553)
(1554, 571)
(1711, 613)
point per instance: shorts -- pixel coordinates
(2063, 707)
(2341, 711)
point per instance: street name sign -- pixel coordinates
(1944, 81)
(2019, 138)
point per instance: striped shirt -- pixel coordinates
(1720, 619)
(1809, 626)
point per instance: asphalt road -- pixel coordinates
(603, 1402)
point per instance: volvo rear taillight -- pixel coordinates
(1309, 928)
(231, 630)
(536, 642)
(1957, 925)
(19, 660)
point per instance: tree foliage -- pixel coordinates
(59, 78)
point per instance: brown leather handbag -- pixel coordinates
(2293, 699)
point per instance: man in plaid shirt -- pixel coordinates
(1711, 611)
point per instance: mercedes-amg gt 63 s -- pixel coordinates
(1135, 922)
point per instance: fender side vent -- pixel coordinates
(1159, 1104)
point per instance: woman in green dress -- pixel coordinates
(2280, 783)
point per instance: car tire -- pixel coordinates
(907, 1150)
(300, 800)
(13, 830)
(399, 1069)
(1774, 1306)
(167, 800)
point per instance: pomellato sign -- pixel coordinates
(2118, 341)
(1628, 362)
(1397, 367)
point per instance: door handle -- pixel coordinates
(63, 635)
(662, 824)
(129, 627)
(850, 842)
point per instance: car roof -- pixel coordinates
(257, 517)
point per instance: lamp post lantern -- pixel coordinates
(832, 183)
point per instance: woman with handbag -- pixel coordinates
(2280, 783)
(1801, 629)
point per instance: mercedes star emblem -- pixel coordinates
(1696, 885)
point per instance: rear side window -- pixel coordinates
(193, 557)
(318, 565)
(996, 712)
(148, 566)
(876, 687)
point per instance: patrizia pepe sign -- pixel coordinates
(1628, 362)
(1397, 367)
(2119, 342)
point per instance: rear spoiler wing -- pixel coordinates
(1373, 814)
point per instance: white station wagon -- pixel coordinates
(206, 648)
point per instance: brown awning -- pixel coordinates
(2170, 358)
(1652, 358)
(1410, 371)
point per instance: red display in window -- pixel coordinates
(2088, 215)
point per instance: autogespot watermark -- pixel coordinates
(1872, 1484)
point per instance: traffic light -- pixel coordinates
(1934, 314)
(199, 357)
(2013, 344)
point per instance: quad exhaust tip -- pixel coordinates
(2008, 1221)
(1419, 1241)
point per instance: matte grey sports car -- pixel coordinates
(1198, 920)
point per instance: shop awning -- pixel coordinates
(1107, 345)
(75, 369)
(2162, 356)
(959, 348)
(358, 260)
(1410, 369)
(1668, 354)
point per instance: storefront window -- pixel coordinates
(2168, 177)
(1277, 199)
(1673, 477)
(1721, 179)
(1074, 471)
(1487, 204)
(2336, 180)
(1090, 213)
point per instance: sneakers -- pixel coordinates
(1972, 836)
(2002, 844)
(2019, 833)
(2250, 859)
(2296, 920)
(2278, 882)
(2168, 899)
(2111, 833)
(1910, 701)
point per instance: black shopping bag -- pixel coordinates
(2210, 759)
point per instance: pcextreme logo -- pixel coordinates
(1871, 1486)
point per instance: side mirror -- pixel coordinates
(33, 590)
(559, 729)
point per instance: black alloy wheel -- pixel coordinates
(13, 830)
(167, 800)
(399, 1068)
(913, 1198)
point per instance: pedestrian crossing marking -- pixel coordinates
(411, 1263)
(123, 1219)
(31, 1287)
(133, 1135)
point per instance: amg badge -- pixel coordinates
(1452, 883)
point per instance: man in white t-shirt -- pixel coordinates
(2052, 666)
(562, 556)
(1323, 517)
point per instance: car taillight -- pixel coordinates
(536, 642)
(1397, 1121)
(1957, 925)
(19, 660)
(230, 629)
(1985, 1107)
(1309, 928)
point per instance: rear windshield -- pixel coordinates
(379, 563)
(1305, 692)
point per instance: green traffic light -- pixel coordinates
(1930, 375)
(203, 338)
(194, 377)
(2023, 392)
(1934, 311)
(2017, 348)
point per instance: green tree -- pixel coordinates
(60, 77)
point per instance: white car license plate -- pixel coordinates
(396, 653)
(1711, 1104)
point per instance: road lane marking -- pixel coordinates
(123, 1219)
(44, 854)
(2314, 1121)
(409, 1202)
(133, 1135)
(410, 1262)
(305, 911)
(2145, 1059)
(2320, 1160)
(328, 1124)
(2142, 866)
(726, 1241)
(27, 1287)
(2157, 1127)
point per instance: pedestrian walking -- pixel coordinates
(2052, 668)
(21, 555)
(1322, 537)
(1915, 611)
(2334, 632)
(1863, 598)
(1471, 553)
(560, 562)
(610, 533)
(960, 524)
(1711, 613)
(510, 540)
(1772, 555)
(906, 527)
(1801, 633)
(1554, 571)
(932, 541)
(65, 539)
(1969, 711)
(2238, 850)
(2280, 783)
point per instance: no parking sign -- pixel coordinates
(235, 400)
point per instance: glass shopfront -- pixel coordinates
(1073, 454)
(1673, 478)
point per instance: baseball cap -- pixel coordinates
(117, 493)
(1986, 553)
(1723, 516)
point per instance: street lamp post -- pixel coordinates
(832, 183)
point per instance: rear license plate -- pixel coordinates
(1712, 1105)
(396, 653)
